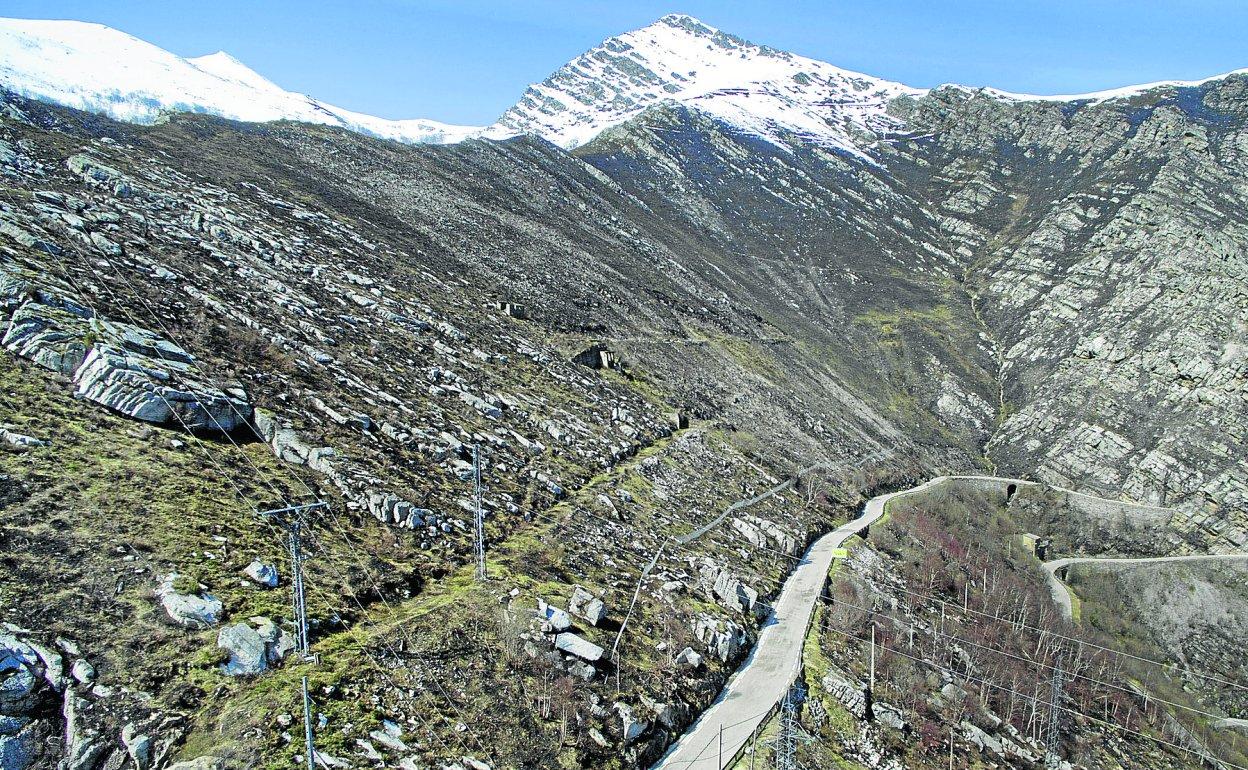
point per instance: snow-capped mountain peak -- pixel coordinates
(99, 69)
(755, 89)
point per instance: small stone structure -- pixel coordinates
(513, 309)
(597, 356)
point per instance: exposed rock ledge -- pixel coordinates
(127, 368)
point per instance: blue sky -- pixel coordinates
(465, 61)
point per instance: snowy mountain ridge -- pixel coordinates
(763, 92)
(95, 68)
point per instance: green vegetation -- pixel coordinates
(989, 597)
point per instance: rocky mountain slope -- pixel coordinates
(759, 90)
(205, 319)
(1107, 254)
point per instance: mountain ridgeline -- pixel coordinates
(677, 272)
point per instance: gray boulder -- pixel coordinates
(253, 648)
(248, 655)
(687, 658)
(263, 574)
(585, 605)
(558, 619)
(82, 671)
(191, 610)
(390, 735)
(578, 646)
(19, 440)
(277, 642)
(630, 727)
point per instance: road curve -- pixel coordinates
(773, 664)
(1061, 594)
(765, 676)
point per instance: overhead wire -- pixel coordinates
(199, 399)
(680, 546)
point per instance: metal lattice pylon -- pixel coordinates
(1053, 728)
(480, 539)
(298, 598)
(791, 732)
(293, 518)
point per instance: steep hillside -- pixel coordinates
(1105, 244)
(754, 272)
(370, 323)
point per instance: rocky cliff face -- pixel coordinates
(1105, 245)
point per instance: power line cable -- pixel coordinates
(186, 427)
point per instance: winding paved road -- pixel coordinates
(1061, 595)
(765, 676)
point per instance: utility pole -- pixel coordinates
(299, 600)
(720, 766)
(615, 646)
(869, 698)
(871, 686)
(292, 517)
(480, 544)
(307, 727)
(1052, 735)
